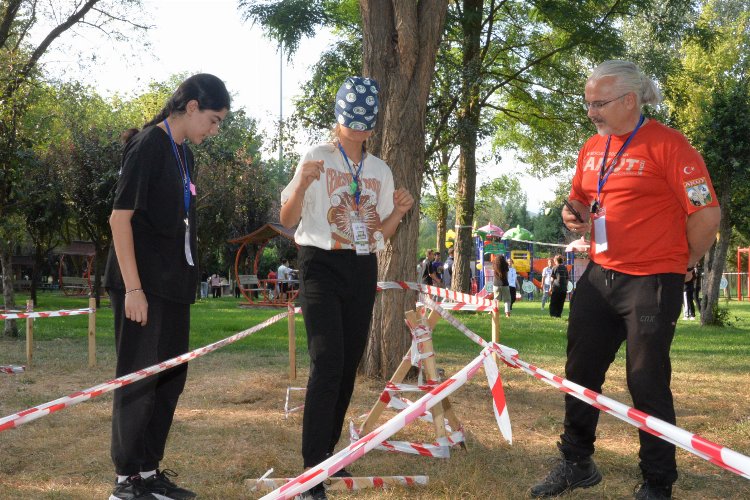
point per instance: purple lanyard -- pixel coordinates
(604, 171)
(184, 172)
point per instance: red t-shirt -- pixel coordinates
(658, 181)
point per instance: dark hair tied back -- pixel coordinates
(207, 89)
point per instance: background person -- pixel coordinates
(546, 281)
(500, 286)
(282, 275)
(216, 285)
(688, 306)
(429, 277)
(512, 282)
(558, 287)
(631, 184)
(448, 269)
(151, 278)
(347, 207)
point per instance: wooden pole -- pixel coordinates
(495, 326)
(92, 333)
(292, 345)
(29, 335)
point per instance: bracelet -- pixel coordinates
(134, 290)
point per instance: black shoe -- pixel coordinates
(649, 491)
(133, 488)
(567, 475)
(342, 473)
(317, 492)
(160, 482)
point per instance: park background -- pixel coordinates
(490, 84)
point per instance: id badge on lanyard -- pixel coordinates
(600, 229)
(188, 190)
(188, 253)
(360, 235)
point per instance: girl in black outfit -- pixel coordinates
(559, 288)
(151, 278)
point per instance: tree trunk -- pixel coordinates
(443, 200)
(468, 126)
(717, 256)
(400, 42)
(11, 329)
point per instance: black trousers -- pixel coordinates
(142, 412)
(607, 309)
(337, 294)
(689, 305)
(512, 296)
(557, 301)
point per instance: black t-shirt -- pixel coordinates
(150, 184)
(560, 277)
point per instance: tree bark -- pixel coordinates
(468, 126)
(400, 42)
(717, 256)
(10, 328)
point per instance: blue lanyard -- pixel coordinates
(184, 172)
(354, 187)
(604, 171)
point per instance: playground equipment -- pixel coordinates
(261, 292)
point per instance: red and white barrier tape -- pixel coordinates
(11, 369)
(36, 412)
(47, 314)
(356, 450)
(402, 403)
(427, 386)
(439, 449)
(348, 483)
(443, 293)
(715, 453)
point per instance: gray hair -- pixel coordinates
(629, 78)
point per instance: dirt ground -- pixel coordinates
(230, 426)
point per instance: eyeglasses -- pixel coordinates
(601, 104)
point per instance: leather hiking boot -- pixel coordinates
(567, 475)
(650, 491)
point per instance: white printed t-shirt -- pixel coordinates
(325, 221)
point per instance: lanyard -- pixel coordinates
(604, 171)
(354, 187)
(184, 172)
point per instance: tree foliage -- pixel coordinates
(708, 99)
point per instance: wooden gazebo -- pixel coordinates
(81, 283)
(249, 284)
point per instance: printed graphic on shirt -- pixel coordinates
(624, 166)
(698, 192)
(343, 202)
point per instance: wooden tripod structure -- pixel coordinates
(421, 327)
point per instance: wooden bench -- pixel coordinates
(250, 283)
(79, 286)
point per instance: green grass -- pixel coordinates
(530, 330)
(230, 425)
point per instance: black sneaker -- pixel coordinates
(649, 491)
(567, 475)
(342, 473)
(317, 492)
(133, 488)
(161, 484)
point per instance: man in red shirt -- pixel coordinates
(645, 194)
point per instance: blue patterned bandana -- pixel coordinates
(357, 103)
